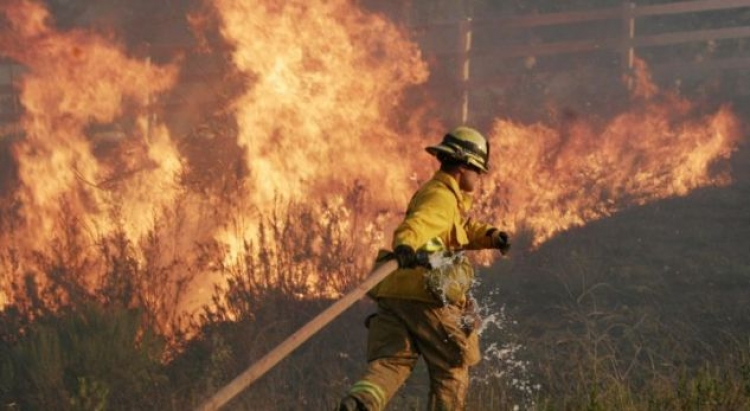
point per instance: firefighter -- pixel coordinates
(425, 311)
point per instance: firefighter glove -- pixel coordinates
(406, 256)
(500, 240)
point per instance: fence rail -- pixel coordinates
(689, 7)
(628, 12)
(613, 44)
(625, 43)
(610, 13)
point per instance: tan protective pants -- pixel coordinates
(403, 330)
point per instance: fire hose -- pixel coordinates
(251, 374)
(258, 369)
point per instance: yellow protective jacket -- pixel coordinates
(437, 209)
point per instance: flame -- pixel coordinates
(322, 122)
(74, 84)
(323, 82)
(75, 80)
(315, 115)
(549, 179)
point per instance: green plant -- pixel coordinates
(92, 357)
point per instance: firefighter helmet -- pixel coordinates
(465, 145)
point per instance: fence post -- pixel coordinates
(149, 105)
(13, 95)
(465, 28)
(628, 55)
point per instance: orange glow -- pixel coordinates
(323, 81)
(320, 123)
(313, 121)
(549, 179)
(76, 80)
(76, 84)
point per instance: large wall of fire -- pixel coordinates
(192, 126)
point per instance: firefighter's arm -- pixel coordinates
(430, 215)
(483, 236)
(480, 234)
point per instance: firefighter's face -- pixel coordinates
(469, 179)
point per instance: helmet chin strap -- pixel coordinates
(487, 159)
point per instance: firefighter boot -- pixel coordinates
(350, 403)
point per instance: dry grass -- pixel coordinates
(595, 333)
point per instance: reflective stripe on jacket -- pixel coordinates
(437, 210)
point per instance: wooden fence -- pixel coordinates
(625, 44)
